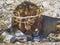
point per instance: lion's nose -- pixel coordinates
(29, 20)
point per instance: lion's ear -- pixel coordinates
(39, 10)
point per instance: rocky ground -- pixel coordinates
(50, 8)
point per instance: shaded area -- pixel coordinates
(49, 24)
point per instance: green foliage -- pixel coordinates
(5, 26)
(2, 38)
(2, 25)
(12, 33)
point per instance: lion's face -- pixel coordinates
(27, 21)
(26, 17)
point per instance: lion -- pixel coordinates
(27, 18)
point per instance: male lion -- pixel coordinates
(27, 18)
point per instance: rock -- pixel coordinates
(50, 7)
(19, 36)
(36, 39)
(5, 33)
(18, 33)
(46, 4)
(1, 11)
(52, 37)
(17, 43)
(30, 42)
(57, 6)
(13, 40)
(7, 38)
(9, 1)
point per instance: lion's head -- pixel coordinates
(27, 17)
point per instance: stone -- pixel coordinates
(19, 36)
(36, 39)
(9, 1)
(5, 33)
(17, 43)
(7, 38)
(18, 33)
